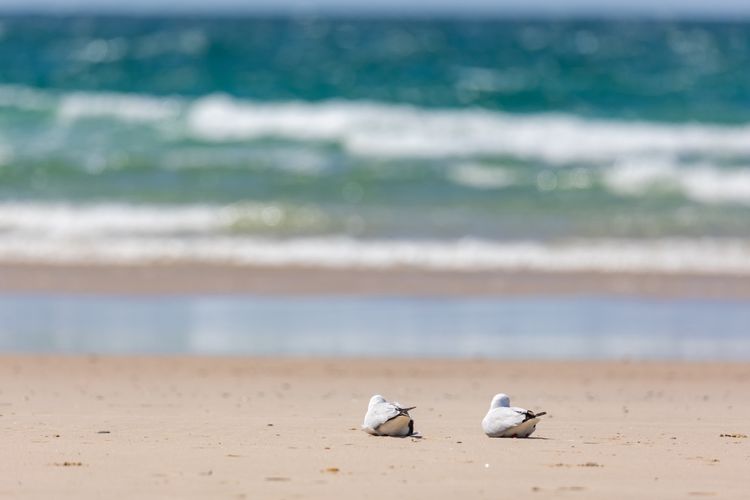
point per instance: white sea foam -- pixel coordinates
(122, 234)
(396, 131)
(123, 107)
(59, 219)
(68, 223)
(481, 176)
(660, 256)
(374, 129)
(703, 183)
(714, 186)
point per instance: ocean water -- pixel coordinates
(508, 328)
(496, 144)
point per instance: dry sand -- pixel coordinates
(100, 427)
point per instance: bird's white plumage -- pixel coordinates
(385, 418)
(503, 420)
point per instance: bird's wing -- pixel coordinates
(381, 413)
(500, 419)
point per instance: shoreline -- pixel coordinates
(234, 427)
(201, 278)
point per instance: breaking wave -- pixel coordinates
(149, 234)
(396, 131)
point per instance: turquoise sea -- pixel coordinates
(438, 143)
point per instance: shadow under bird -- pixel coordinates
(386, 418)
(504, 420)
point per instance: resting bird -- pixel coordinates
(384, 418)
(503, 420)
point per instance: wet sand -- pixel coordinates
(207, 278)
(116, 427)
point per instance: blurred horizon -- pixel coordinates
(721, 10)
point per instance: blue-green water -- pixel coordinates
(648, 70)
(307, 140)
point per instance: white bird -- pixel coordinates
(385, 418)
(504, 420)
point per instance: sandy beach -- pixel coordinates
(115, 427)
